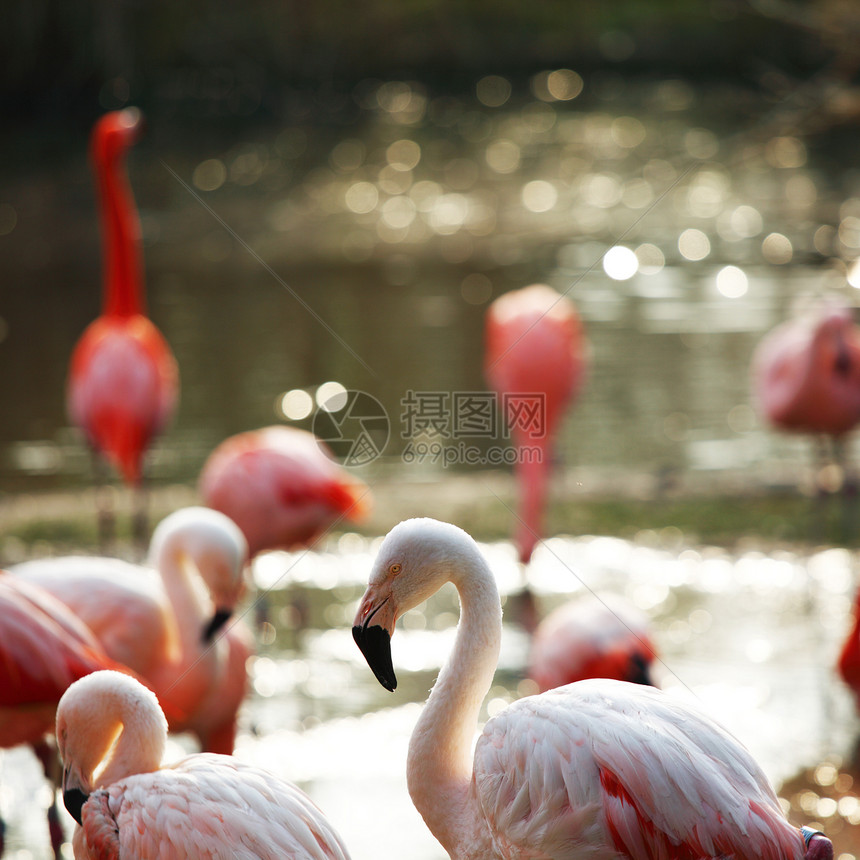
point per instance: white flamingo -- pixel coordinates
(597, 769)
(161, 620)
(111, 736)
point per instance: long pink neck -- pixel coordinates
(123, 294)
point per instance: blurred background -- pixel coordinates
(331, 196)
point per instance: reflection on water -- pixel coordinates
(752, 637)
(362, 245)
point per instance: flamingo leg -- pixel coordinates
(848, 489)
(140, 516)
(105, 517)
(50, 764)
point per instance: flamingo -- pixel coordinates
(806, 375)
(155, 620)
(123, 381)
(535, 358)
(204, 805)
(600, 768)
(591, 637)
(280, 487)
(43, 649)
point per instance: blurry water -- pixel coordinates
(362, 245)
(395, 222)
(753, 638)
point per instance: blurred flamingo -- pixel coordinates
(806, 377)
(123, 380)
(848, 663)
(43, 649)
(204, 805)
(591, 637)
(280, 487)
(599, 768)
(162, 620)
(535, 358)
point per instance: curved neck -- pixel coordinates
(139, 748)
(184, 591)
(439, 765)
(122, 265)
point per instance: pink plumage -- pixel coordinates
(591, 637)
(806, 372)
(535, 347)
(158, 619)
(595, 769)
(281, 487)
(123, 381)
(205, 806)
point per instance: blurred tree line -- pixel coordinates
(229, 58)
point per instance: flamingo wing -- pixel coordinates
(609, 769)
(206, 806)
(116, 600)
(43, 647)
(280, 487)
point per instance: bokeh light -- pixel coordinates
(620, 263)
(295, 405)
(331, 396)
(694, 245)
(732, 282)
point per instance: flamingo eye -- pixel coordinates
(395, 568)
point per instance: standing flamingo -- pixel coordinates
(162, 624)
(43, 649)
(123, 381)
(280, 487)
(600, 768)
(535, 359)
(205, 805)
(591, 637)
(806, 376)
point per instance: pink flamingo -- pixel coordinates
(599, 768)
(591, 637)
(535, 358)
(806, 375)
(280, 487)
(205, 805)
(43, 649)
(123, 381)
(162, 620)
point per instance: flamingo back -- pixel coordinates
(208, 806)
(122, 388)
(279, 487)
(616, 770)
(806, 372)
(535, 344)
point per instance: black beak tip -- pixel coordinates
(218, 620)
(375, 643)
(74, 800)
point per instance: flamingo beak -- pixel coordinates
(218, 620)
(374, 640)
(73, 797)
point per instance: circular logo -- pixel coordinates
(354, 426)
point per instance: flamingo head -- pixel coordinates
(415, 560)
(115, 133)
(210, 545)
